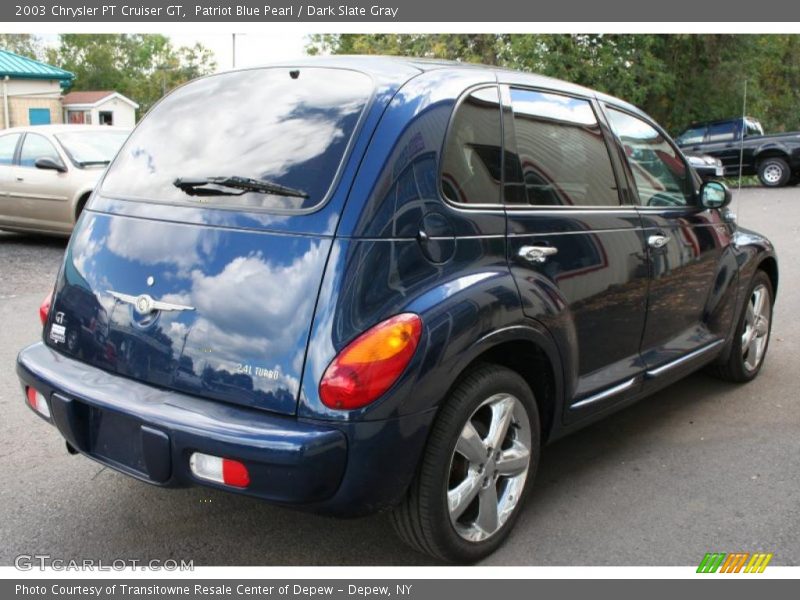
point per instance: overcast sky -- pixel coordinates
(251, 48)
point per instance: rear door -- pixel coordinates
(690, 305)
(9, 206)
(575, 249)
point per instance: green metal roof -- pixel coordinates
(21, 67)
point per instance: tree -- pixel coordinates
(141, 66)
(23, 44)
(465, 47)
(675, 78)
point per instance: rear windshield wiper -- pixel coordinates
(196, 186)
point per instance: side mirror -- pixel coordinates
(714, 194)
(45, 162)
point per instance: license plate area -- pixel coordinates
(117, 439)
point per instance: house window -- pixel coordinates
(105, 117)
(79, 117)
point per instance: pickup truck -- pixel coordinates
(775, 158)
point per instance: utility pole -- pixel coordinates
(233, 40)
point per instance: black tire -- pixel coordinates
(423, 519)
(734, 368)
(774, 172)
(80, 206)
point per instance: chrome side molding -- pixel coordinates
(651, 373)
(607, 393)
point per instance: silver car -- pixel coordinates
(47, 173)
(708, 167)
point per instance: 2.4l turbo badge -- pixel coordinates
(248, 369)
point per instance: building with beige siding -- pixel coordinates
(30, 91)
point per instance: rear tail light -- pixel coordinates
(370, 364)
(221, 470)
(44, 308)
(37, 402)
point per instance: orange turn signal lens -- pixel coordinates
(370, 364)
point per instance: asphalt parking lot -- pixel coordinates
(702, 466)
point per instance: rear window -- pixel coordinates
(289, 127)
(753, 127)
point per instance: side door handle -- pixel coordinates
(657, 241)
(536, 254)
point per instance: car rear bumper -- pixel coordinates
(344, 468)
(150, 433)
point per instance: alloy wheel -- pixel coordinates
(756, 328)
(488, 467)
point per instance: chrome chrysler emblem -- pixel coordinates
(144, 304)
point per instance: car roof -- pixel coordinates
(718, 121)
(400, 69)
(62, 128)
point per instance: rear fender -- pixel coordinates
(467, 306)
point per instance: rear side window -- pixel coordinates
(276, 125)
(662, 178)
(36, 146)
(721, 132)
(562, 158)
(471, 164)
(8, 144)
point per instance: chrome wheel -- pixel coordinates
(773, 174)
(756, 328)
(489, 467)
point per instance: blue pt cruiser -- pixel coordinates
(360, 284)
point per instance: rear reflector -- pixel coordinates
(37, 402)
(221, 470)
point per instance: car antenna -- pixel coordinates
(741, 152)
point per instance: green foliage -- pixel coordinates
(23, 44)
(676, 78)
(141, 66)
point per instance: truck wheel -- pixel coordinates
(774, 172)
(480, 460)
(751, 339)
